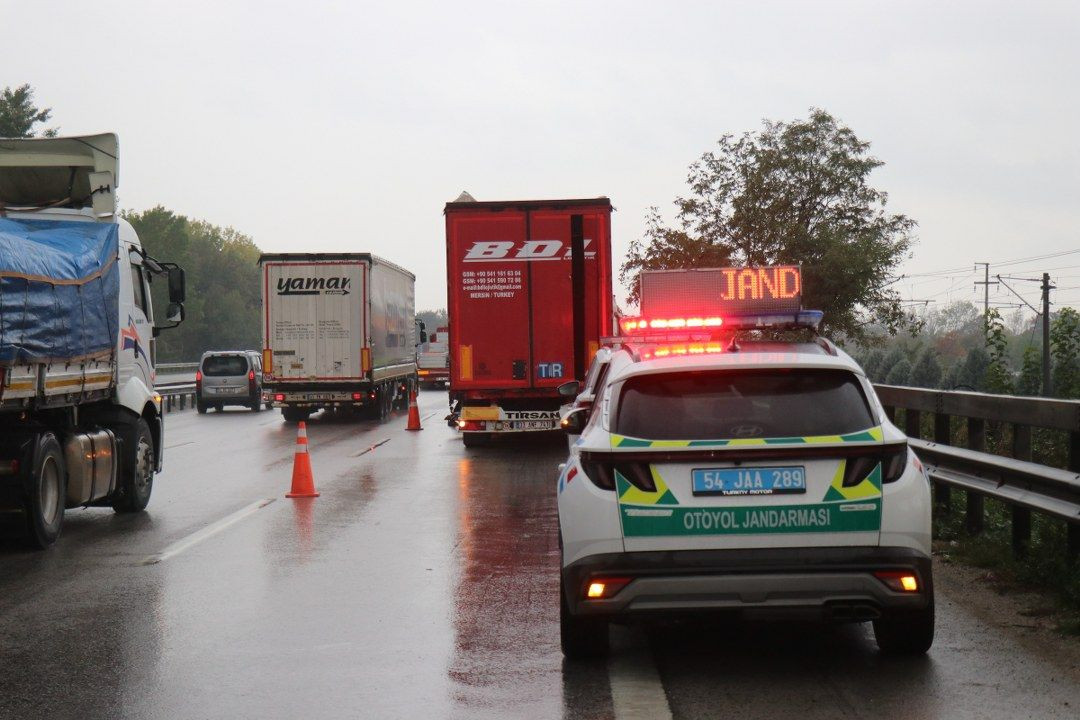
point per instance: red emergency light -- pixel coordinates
(637, 324)
(680, 349)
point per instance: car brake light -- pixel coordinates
(198, 378)
(602, 588)
(251, 375)
(899, 580)
(280, 397)
(358, 396)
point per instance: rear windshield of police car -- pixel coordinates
(225, 365)
(742, 404)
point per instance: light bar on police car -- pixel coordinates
(639, 326)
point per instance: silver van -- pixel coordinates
(229, 377)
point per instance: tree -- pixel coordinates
(872, 365)
(223, 298)
(19, 115)
(433, 319)
(1065, 349)
(1030, 380)
(927, 370)
(891, 360)
(900, 374)
(791, 193)
(971, 374)
(998, 379)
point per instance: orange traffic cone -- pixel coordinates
(414, 413)
(303, 484)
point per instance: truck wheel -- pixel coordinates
(294, 414)
(907, 634)
(47, 489)
(580, 637)
(136, 471)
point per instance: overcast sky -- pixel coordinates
(346, 126)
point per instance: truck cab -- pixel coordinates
(80, 418)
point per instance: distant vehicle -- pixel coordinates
(530, 297)
(594, 381)
(433, 359)
(339, 333)
(717, 472)
(80, 422)
(229, 377)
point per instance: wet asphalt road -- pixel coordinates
(422, 583)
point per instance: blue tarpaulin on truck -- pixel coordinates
(59, 290)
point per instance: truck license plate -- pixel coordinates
(749, 481)
(320, 396)
(532, 425)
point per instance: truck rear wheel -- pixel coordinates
(46, 491)
(294, 414)
(136, 471)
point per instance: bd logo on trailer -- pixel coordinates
(313, 286)
(528, 250)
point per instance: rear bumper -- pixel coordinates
(821, 583)
(208, 398)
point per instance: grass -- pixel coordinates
(1044, 569)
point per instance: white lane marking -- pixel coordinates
(189, 442)
(636, 691)
(210, 530)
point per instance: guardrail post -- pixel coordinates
(1021, 516)
(911, 422)
(1074, 466)
(183, 396)
(974, 512)
(942, 435)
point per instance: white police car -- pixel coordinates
(753, 476)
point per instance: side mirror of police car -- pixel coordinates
(575, 420)
(569, 389)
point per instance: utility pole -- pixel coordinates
(986, 296)
(1046, 287)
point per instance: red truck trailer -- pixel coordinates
(530, 296)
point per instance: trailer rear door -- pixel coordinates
(315, 319)
(524, 313)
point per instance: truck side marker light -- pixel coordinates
(605, 587)
(898, 580)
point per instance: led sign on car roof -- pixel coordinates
(720, 292)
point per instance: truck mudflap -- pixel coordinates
(493, 418)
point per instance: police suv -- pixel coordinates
(716, 472)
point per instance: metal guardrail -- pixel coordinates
(1024, 485)
(176, 367)
(176, 396)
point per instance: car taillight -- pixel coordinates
(198, 378)
(899, 580)
(601, 588)
(280, 397)
(358, 396)
(251, 375)
(893, 463)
